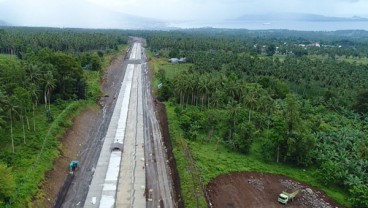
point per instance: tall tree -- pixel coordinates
(292, 113)
(12, 110)
(361, 104)
(49, 85)
(33, 89)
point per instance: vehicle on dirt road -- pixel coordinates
(73, 165)
(285, 196)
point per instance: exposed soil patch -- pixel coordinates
(250, 189)
(77, 137)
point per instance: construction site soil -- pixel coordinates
(260, 190)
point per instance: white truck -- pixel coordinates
(285, 196)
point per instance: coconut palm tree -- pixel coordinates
(49, 85)
(233, 107)
(12, 109)
(34, 92)
(33, 74)
(3, 102)
(251, 99)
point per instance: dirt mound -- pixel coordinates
(250, 189)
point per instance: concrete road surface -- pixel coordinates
(137, 176)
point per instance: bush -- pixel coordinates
(359, 196)
(7, 183)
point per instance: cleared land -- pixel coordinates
(250, 189)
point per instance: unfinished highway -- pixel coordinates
(131, 170)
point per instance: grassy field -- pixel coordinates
(171, 70)
(7, 57)
(163, 63)
(214, 159)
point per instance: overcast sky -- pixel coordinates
(96, 13)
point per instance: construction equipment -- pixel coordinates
(73, 165)
(285, 197)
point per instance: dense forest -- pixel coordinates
(299, 103)
(46, 76)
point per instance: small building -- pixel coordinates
(86, 67)
(315, 44)
(182, 60)
(178, 60)
(174, 60)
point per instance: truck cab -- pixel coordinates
(283, 198)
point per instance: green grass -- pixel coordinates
(162, 63)
(352, 60)
(214, 159)
(8, 57)
(172, 69)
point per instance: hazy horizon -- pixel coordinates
(160, 13)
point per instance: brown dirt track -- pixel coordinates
(260, 190)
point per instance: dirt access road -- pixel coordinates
(260, 190)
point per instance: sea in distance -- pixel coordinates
(289, 25)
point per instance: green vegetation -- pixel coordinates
(237, 107)
(51, 77)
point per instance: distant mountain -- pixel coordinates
(296, 17)
(3, 23)
(83, 14)
(127, 21)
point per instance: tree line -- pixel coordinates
(18, 41)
